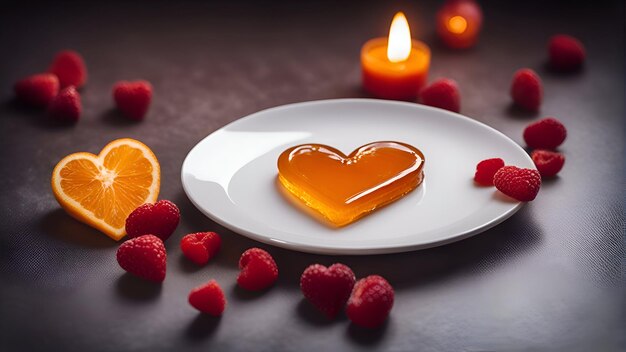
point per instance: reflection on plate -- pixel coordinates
(231, 176)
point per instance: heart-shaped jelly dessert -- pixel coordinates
(345, 188)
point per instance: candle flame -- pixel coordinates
(457, 24)
(399, 47)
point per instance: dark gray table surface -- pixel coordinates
(549, 278)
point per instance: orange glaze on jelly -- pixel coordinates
(345, 188)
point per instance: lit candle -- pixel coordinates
(395, 67)
(459, 23)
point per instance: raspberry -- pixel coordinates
(37, 90)
(370, 302)
(442, 93)
(66, 105)
(486, 169)
(327, 289)
(521, 184)
(548, 163)
(258, 270)
(159, 219)
(208, 298)
(200, 247)
(69, 66)
(566, 53)
(546, 133)
(133, 98)
(527, 89)
(143, 256)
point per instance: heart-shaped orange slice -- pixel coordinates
(102, 190)
(345, 188)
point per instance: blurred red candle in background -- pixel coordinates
(459, 23)
(395, 67)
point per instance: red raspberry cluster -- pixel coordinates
(524, 184)
(144, 255)
(518, 183)
(566, 54)
(544, 136)
(57, 89)
(368, 301)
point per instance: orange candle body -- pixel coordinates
(459, 23)
(394, 80)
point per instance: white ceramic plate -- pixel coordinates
(231, 176)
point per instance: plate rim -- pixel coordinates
(329, 250)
